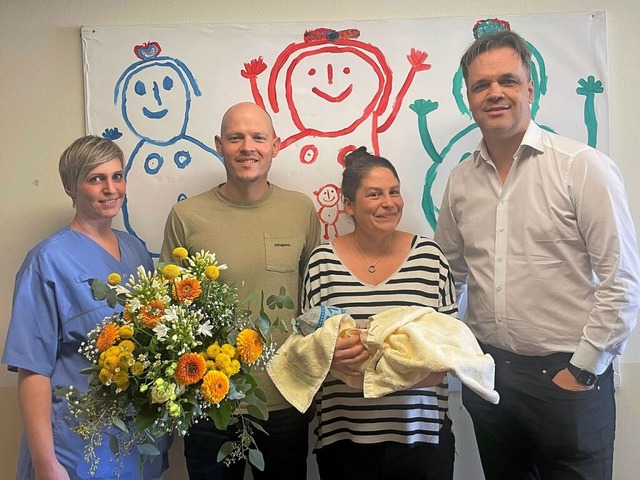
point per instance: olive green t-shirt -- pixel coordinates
(265, 244)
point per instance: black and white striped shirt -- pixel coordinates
(407, 416)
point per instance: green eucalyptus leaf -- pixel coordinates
(263, 323)
(62, 392)
(99, 289)
(118, 423)
(148, 449)
(111, 298)
(256, 459)
(221, 415)
(257, 426)
(114, 446)
(145, 418)
(272, 301)
(260, 395)
(258, 411)
(288, 303)
(225, 450)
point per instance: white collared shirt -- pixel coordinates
(549, 259)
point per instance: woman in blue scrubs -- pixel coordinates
(53, 310)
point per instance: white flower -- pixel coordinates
(134, 303)
(170, 314)
(161, 330)
(205, 329)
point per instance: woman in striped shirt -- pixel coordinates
(407, 434)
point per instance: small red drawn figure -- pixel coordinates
(336, 88)
(328, 197)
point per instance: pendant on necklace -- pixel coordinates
(372, 269)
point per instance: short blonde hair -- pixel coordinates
(82, 156)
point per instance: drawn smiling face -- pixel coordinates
(332, 88)
(328, 195)
(156, 103)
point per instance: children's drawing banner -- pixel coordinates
(392, 85)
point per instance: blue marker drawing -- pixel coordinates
(167, 165)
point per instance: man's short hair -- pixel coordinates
(489, 42)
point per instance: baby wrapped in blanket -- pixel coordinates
(406, 344)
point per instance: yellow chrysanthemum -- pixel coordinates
(101, 359)
(215, 386)
(191, 368)
(108, 336)
(151, 313)
(211, 365)
(114, 279)
(222, 361)
(204, 355)
(121, 379)
(111, 362)
(115, 350)
(125, 331)
(187, 289)
(127, 346)
(213, 350)
(125, 360)
(249, 344)
(170, 271)
(105, 376)
(232, 369)
(136, 369)
(228, 349)
(212, 272)
(180, 253)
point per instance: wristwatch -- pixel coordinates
(582, 376)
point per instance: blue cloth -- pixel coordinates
(53, 310)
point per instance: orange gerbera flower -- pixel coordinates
(215, 386)
(249, 345)
(151, 313)
(190, 369)
(187, 289)
(108, 336)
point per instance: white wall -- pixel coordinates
(42, 111)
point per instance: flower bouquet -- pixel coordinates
(181, 350)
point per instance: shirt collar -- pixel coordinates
(532, 138)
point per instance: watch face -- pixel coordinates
(586, 378)
(582, 376)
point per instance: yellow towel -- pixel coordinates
(406, 345)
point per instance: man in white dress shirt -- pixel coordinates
(538, 233)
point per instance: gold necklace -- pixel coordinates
(372, 266)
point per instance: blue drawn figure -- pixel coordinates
(167, 165)
(422, 108)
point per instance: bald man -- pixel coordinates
(265, 235)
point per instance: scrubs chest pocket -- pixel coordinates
(283, 253)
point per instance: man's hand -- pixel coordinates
(566, 381)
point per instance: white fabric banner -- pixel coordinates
(391, 85)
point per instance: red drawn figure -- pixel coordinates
(328, 197)
(335, 88)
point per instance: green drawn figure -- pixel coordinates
(588, 88)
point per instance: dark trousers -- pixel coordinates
(285, 448)
(539, 430)
(346, 460)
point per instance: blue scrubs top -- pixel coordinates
(53, 311)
